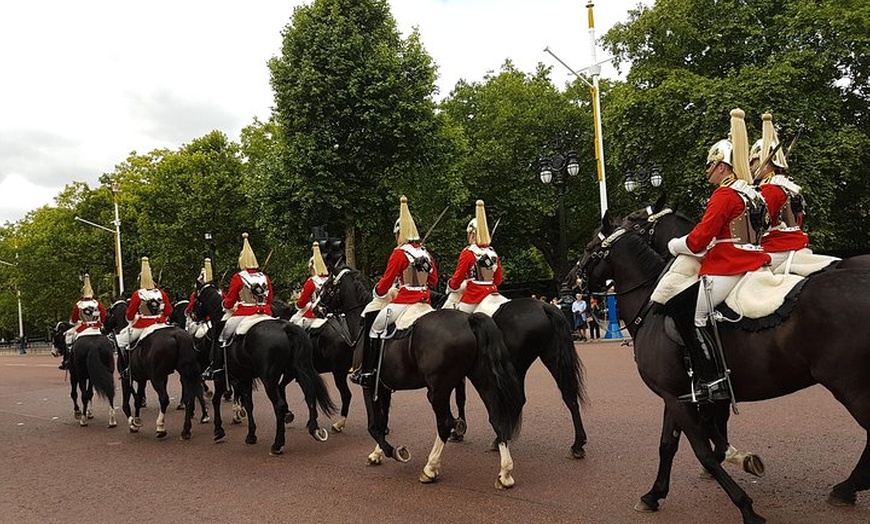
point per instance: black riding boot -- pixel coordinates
(365, 374)
(217, 360)
(708, 377)
(64, 363)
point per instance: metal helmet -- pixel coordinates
(316, 263)
(733, 151)
(479, 226)
(87, 290)
(720, 152)
(247, 258)
(146, 281)
(405, 226)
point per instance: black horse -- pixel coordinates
(179, 318)
(276, 352)
(533, 330)
(443, 348)
(764, 364)
(154, 359)
(91, 367)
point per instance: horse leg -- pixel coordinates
(687, 418)
(280, 407)
(205, 419)
(569, 397)
(444, 423)
(457, 432)
(749, 462)
(87, 393)
(159, 386)
(844, 493)
(339, 376)
(74, 395)
(378, 418)
(668, 445)
(246, 390)
(219, 390)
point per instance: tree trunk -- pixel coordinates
(350, 244)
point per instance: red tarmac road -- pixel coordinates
(53, 471)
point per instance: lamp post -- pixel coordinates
(119, 265)
(209, 242)
(556, 169)
(23, 349)
(594, 71)
(641, 174)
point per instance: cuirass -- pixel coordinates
(89, 310)
(151, 302)
(255, 289)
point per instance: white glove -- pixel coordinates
(678, 246)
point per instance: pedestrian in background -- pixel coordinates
(579, 309)
(593, 318)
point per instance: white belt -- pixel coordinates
(744, 247)
(482, 282)
(415, 288)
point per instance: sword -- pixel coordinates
(268, 258)
(492, 233)
(793, 141)
(708, 286)
(380, 357)
(770, 155)
(434, 224)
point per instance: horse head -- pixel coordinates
(661, 219)
(345, 292)
(116, 317)
(592, 269)
(58, 337)
(207, 303)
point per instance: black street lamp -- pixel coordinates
(643, 173)
(556, 169)
(209, 242)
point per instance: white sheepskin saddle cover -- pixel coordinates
(379, 303)
(757, 295)
(250, 321)
(411, 314)
(491, 303)
(90, 332)
(805, 262)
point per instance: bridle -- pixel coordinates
(647, 229)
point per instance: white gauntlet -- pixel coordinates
(678, 246)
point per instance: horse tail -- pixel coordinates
(306, 374)
(101, 368)
(187, 366)
(569, 370)
(495, 378)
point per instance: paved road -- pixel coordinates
(55, 471)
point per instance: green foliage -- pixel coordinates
(807, 62)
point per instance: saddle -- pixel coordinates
(148, 331)
(250, 321)
(804, 263)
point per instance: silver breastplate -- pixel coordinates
(255, 289)
(416, 275)
(151, 303)
(486, 262)
(89, 311)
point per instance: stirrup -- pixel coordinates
(355, 375)
(210, 373)
(367, 380)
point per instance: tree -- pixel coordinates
(807, 62)
(354, 102)
(508, 121)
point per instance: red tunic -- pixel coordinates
(233, 295)
(75, 318)
(474, 292)
(311, 285)
(190, 302)
(775, 241)
(724, 258)
(144, 322)
(395, 266)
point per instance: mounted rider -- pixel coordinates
(250, 295)
(728, 239)
(149, 308)
(87, 318)
(199, 327)
(406, 281)
(306, 305)
(785, 240)
(474, 284)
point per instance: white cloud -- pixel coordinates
(86, 83)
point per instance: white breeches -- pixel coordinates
(230, 327)
(70, 336)
(720, 286)
(128, 336)
(385, 317)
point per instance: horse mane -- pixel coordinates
(361, 284)
(646, 256)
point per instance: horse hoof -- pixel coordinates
(251, 439)
(643, 507)
(839, 502)
(320, 435)
(236, 420)
(753, 465)
(90, 414)
(502, 484)
(134, 429)
(459, 428)
(161, 434)
(371, 461)
(426, 479)
(578, 453)
(455, 437)
(113, 424)
(205, 419)
(185, 436)
(275, 452)
(289, 417)
(337, 427)
(402, 454)
(77, 414)
(83, 421)
(179, 407)
(137, 422)
(243, 414)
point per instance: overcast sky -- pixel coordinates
(85, 83)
